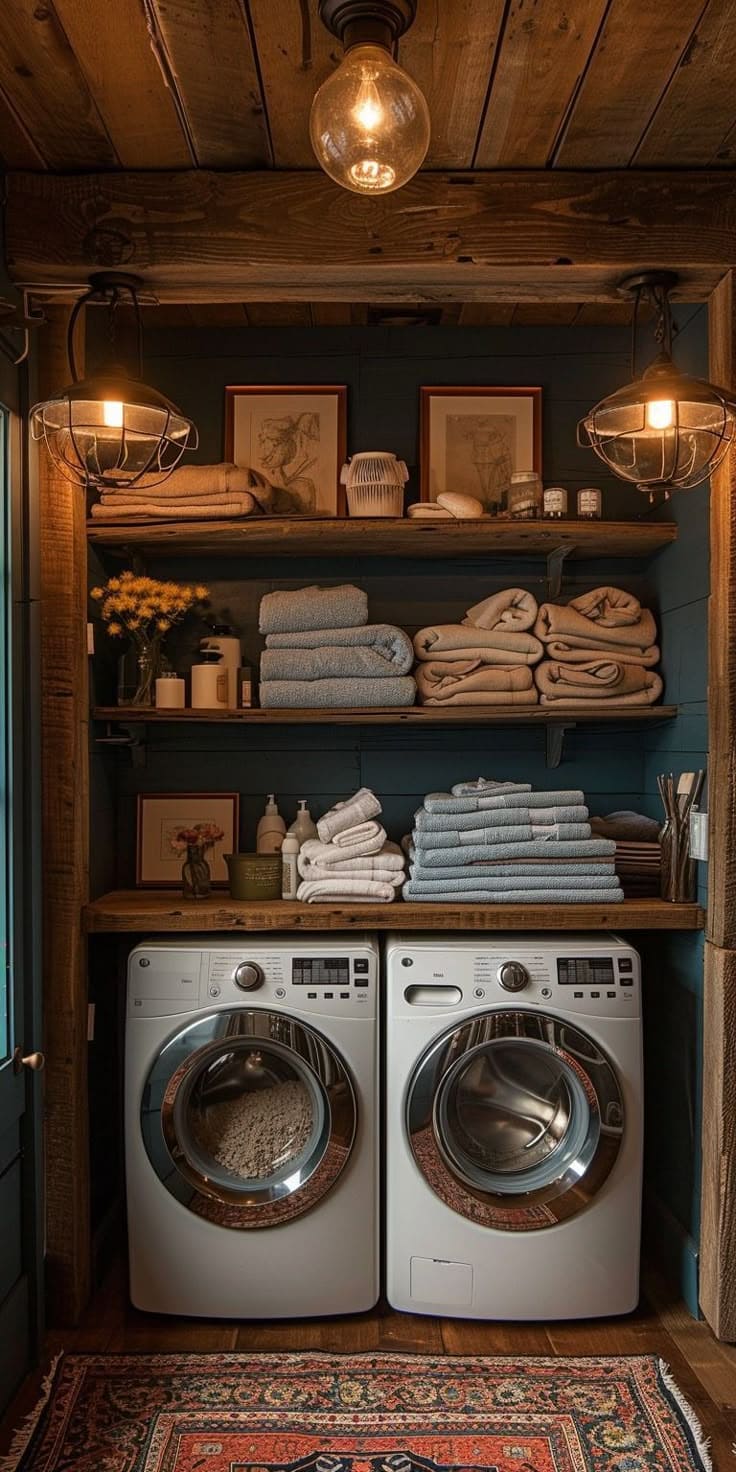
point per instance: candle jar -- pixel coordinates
(555, 503)
(590, 504)
(169, 691)
(524, 496)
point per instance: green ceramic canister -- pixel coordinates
(254, 876)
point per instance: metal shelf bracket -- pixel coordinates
(555, 561)
(125, 734)
(555, 741)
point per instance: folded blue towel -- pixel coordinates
(518, 896)
(551, 834)
(463, 857)
(499, 817)
(517, 869)
(444, 802)
(505, 882)
(338, 694)
(371, 652)
(289, 612)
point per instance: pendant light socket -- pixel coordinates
(367, 22)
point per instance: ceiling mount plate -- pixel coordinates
(106, 282)
(642, 281)
(355, 21)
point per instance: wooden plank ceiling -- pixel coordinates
(94, 85)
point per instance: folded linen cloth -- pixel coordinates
(461, 895)
(519, 869)
(627, 827)
(470, 682)
(359, 808)
(312, 891)
(445, 802)
(316, 852)
(596, 684)
(198, 483)
(511, 609)
(467, 854)
(489, 646)
(608, 620)
(522, 833)
(154, 510)
(487, 787)
(507, 818)
(370, 652)
(340, 694)
(292, 612)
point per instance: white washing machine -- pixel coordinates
(251, 1123)
(514, 1125)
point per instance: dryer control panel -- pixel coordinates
(322, 980)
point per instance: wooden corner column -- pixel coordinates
(64, 738)
(718, 1227)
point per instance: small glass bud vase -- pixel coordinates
(196, 880)
(149, 668)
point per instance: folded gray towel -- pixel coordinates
(339, 694)
(313, 608)
(503, 883)
(467, 854)
(499, 817)
(370, 652)
(444, 802)
(488, 787)
(516, 896)
(548, 833)
(517, 869)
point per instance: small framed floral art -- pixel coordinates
(166, 822)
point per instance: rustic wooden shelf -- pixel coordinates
(159, 910)
(409, 715)
(302, 536)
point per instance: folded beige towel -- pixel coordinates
(512, 609)
(600, 682)
(153, 510)
(608, 620)
(470, 682)
(567, 653)
(205, 481)
(467, 641)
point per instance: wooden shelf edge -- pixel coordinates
(141, 911)
(408, 715)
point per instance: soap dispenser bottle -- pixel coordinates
(271, 829)
(303, 827)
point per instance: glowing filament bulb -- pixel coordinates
(368, 112)
(660, 414)
(112, 414)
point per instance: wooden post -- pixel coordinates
(64, 737)
(718, 1226)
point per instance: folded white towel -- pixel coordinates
(359, 808)
(361, 833)
(313, 891)
(352, 870)
(385, 864)
(334, 853)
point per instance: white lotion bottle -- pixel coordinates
(271, 829)
(225, 641)
(289, 870)
(303, 827)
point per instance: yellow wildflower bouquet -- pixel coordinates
(144, 610)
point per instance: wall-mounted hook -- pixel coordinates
(555, 741)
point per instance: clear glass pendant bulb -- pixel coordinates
(369, 123)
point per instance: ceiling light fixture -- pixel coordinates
(369, 123)
(665, 431)
(111, 429)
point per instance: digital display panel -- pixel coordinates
(320, 971)
(585, 971)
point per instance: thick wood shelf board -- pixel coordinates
(156, 910)
(409, 715)
(385, 537)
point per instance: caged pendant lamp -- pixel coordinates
(369, 123)
(665, 431)
(111, 430)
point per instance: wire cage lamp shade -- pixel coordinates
(666, 430)
(111, 430)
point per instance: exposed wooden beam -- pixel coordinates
(506, 236)
(718, 1224)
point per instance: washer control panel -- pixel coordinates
(328, 982)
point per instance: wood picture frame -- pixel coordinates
(154, 869)
(477, 459)
(296, 429)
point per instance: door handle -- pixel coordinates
(34, 1061)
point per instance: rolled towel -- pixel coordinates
(315, 891)
(627, 826)
(597, 683)
(361, 833)
(396, 690)
(374, 650)
(359, 808)
(604, 621)
(445, 802)
(334, 853)
(153, 510)
(509, 818)
(463, 642)
(470, 682)
(512, 609)
(287, 612)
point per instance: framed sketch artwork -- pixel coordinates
(473, 439)
(162, 816)
(294, 435)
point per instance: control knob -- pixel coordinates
(248, 976)
(513, 976)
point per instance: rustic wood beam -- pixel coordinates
(64, 758)
(718, 1224)
(722, 641)
(496, 236)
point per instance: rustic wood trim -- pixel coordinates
(200, 235)
(722, 641)
(391, 715)
(132, 912)
(718, 1221)
(65, 859)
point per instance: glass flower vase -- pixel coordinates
(196, 880)
(149, 669)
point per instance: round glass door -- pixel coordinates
(248, 1118)
(515, 1119)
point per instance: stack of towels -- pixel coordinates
(351, 859)
(491, 842)
(321, 652)
(191, 493)
(486, 659)
(599, 651)
(638, 851)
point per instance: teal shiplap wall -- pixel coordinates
(384, 369)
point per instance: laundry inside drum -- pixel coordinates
(252, 1115)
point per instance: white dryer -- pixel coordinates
(251, 1125)
(514, 1125)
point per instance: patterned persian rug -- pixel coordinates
(363, 1413)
